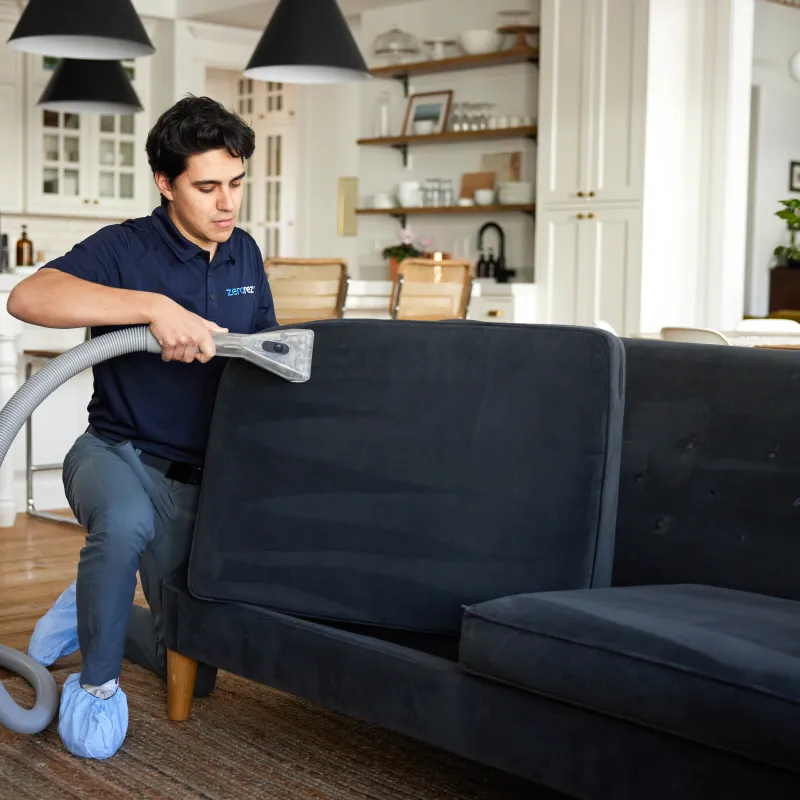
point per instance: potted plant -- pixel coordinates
(789, 255)
(407, 247)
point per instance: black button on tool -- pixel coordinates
(275, 347)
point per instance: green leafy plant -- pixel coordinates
(789, 255)
(407, 247)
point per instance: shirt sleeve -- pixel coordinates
(97, 259)
(265, 313)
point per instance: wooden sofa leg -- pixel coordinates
(181, 674)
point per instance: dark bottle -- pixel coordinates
(24, 249)
(481, 268)
(491, 264)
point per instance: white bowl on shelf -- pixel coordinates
(479, 42)
(382, 200)
(484, 197)
(515, 193)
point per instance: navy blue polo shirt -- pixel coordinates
(165, 408)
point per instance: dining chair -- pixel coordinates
(431, 290)
(605, 326)
(307, 289)
(694, 335)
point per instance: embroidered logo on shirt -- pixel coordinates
(242, 290)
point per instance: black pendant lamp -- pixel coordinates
(307, 41)
(90, 29)
(81, 86)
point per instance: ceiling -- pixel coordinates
(250, 14)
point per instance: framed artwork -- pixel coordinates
(794, 176)
(427, 113)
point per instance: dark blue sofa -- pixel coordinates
(450, 532)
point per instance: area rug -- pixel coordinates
(244, 741)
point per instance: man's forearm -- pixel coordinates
(53, 299)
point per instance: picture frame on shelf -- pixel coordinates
(794, 176)
(427, 113)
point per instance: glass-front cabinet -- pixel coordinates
(269, 202)
(85, 163)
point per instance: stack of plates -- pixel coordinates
(515, 193)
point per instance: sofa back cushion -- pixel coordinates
(425, 466)
(710, 483)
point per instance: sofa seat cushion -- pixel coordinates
(716, 666)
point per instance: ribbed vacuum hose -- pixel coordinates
(12, 417)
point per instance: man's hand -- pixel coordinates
(183, 336)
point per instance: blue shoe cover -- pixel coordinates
(88, 726)
(56, 633)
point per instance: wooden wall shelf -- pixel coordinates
(402, 143)
(402, 214)
(402, 72)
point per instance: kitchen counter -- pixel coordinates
(490, 301)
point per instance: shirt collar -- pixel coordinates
(183, 249)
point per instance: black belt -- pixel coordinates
(173, 470)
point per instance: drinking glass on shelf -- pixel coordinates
(463, 117)
(456, 119)
(485, 114)
(471, 117)
(447, 194)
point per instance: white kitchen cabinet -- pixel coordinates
(588, 266)
(557, 259)
(618, 96)
(86, 164)
(592, 88)
(503, 302)
(11, 125)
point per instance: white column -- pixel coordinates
(729, 30)
(10, 332)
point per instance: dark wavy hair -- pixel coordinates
(195, 125)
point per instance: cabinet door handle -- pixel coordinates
(580, 216)
(591, 194)
(97, 202)
(495, 312)
(86, 202)
(590, 216)
(581, 194)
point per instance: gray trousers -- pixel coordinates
(136, 520)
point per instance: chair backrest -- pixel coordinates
(605, 326)
(709, 490)
(425, 466)
(694, 335)
(769, 325)
(431, 290)
(306, 289)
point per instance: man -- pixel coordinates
(133, 479)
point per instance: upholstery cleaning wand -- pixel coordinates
(284, 352)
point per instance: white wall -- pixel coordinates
(667, 241)
(777, 131)
(328, 127)
(53, 235)
(696, 171)
(347, 113)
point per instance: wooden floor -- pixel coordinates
(38, 560)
